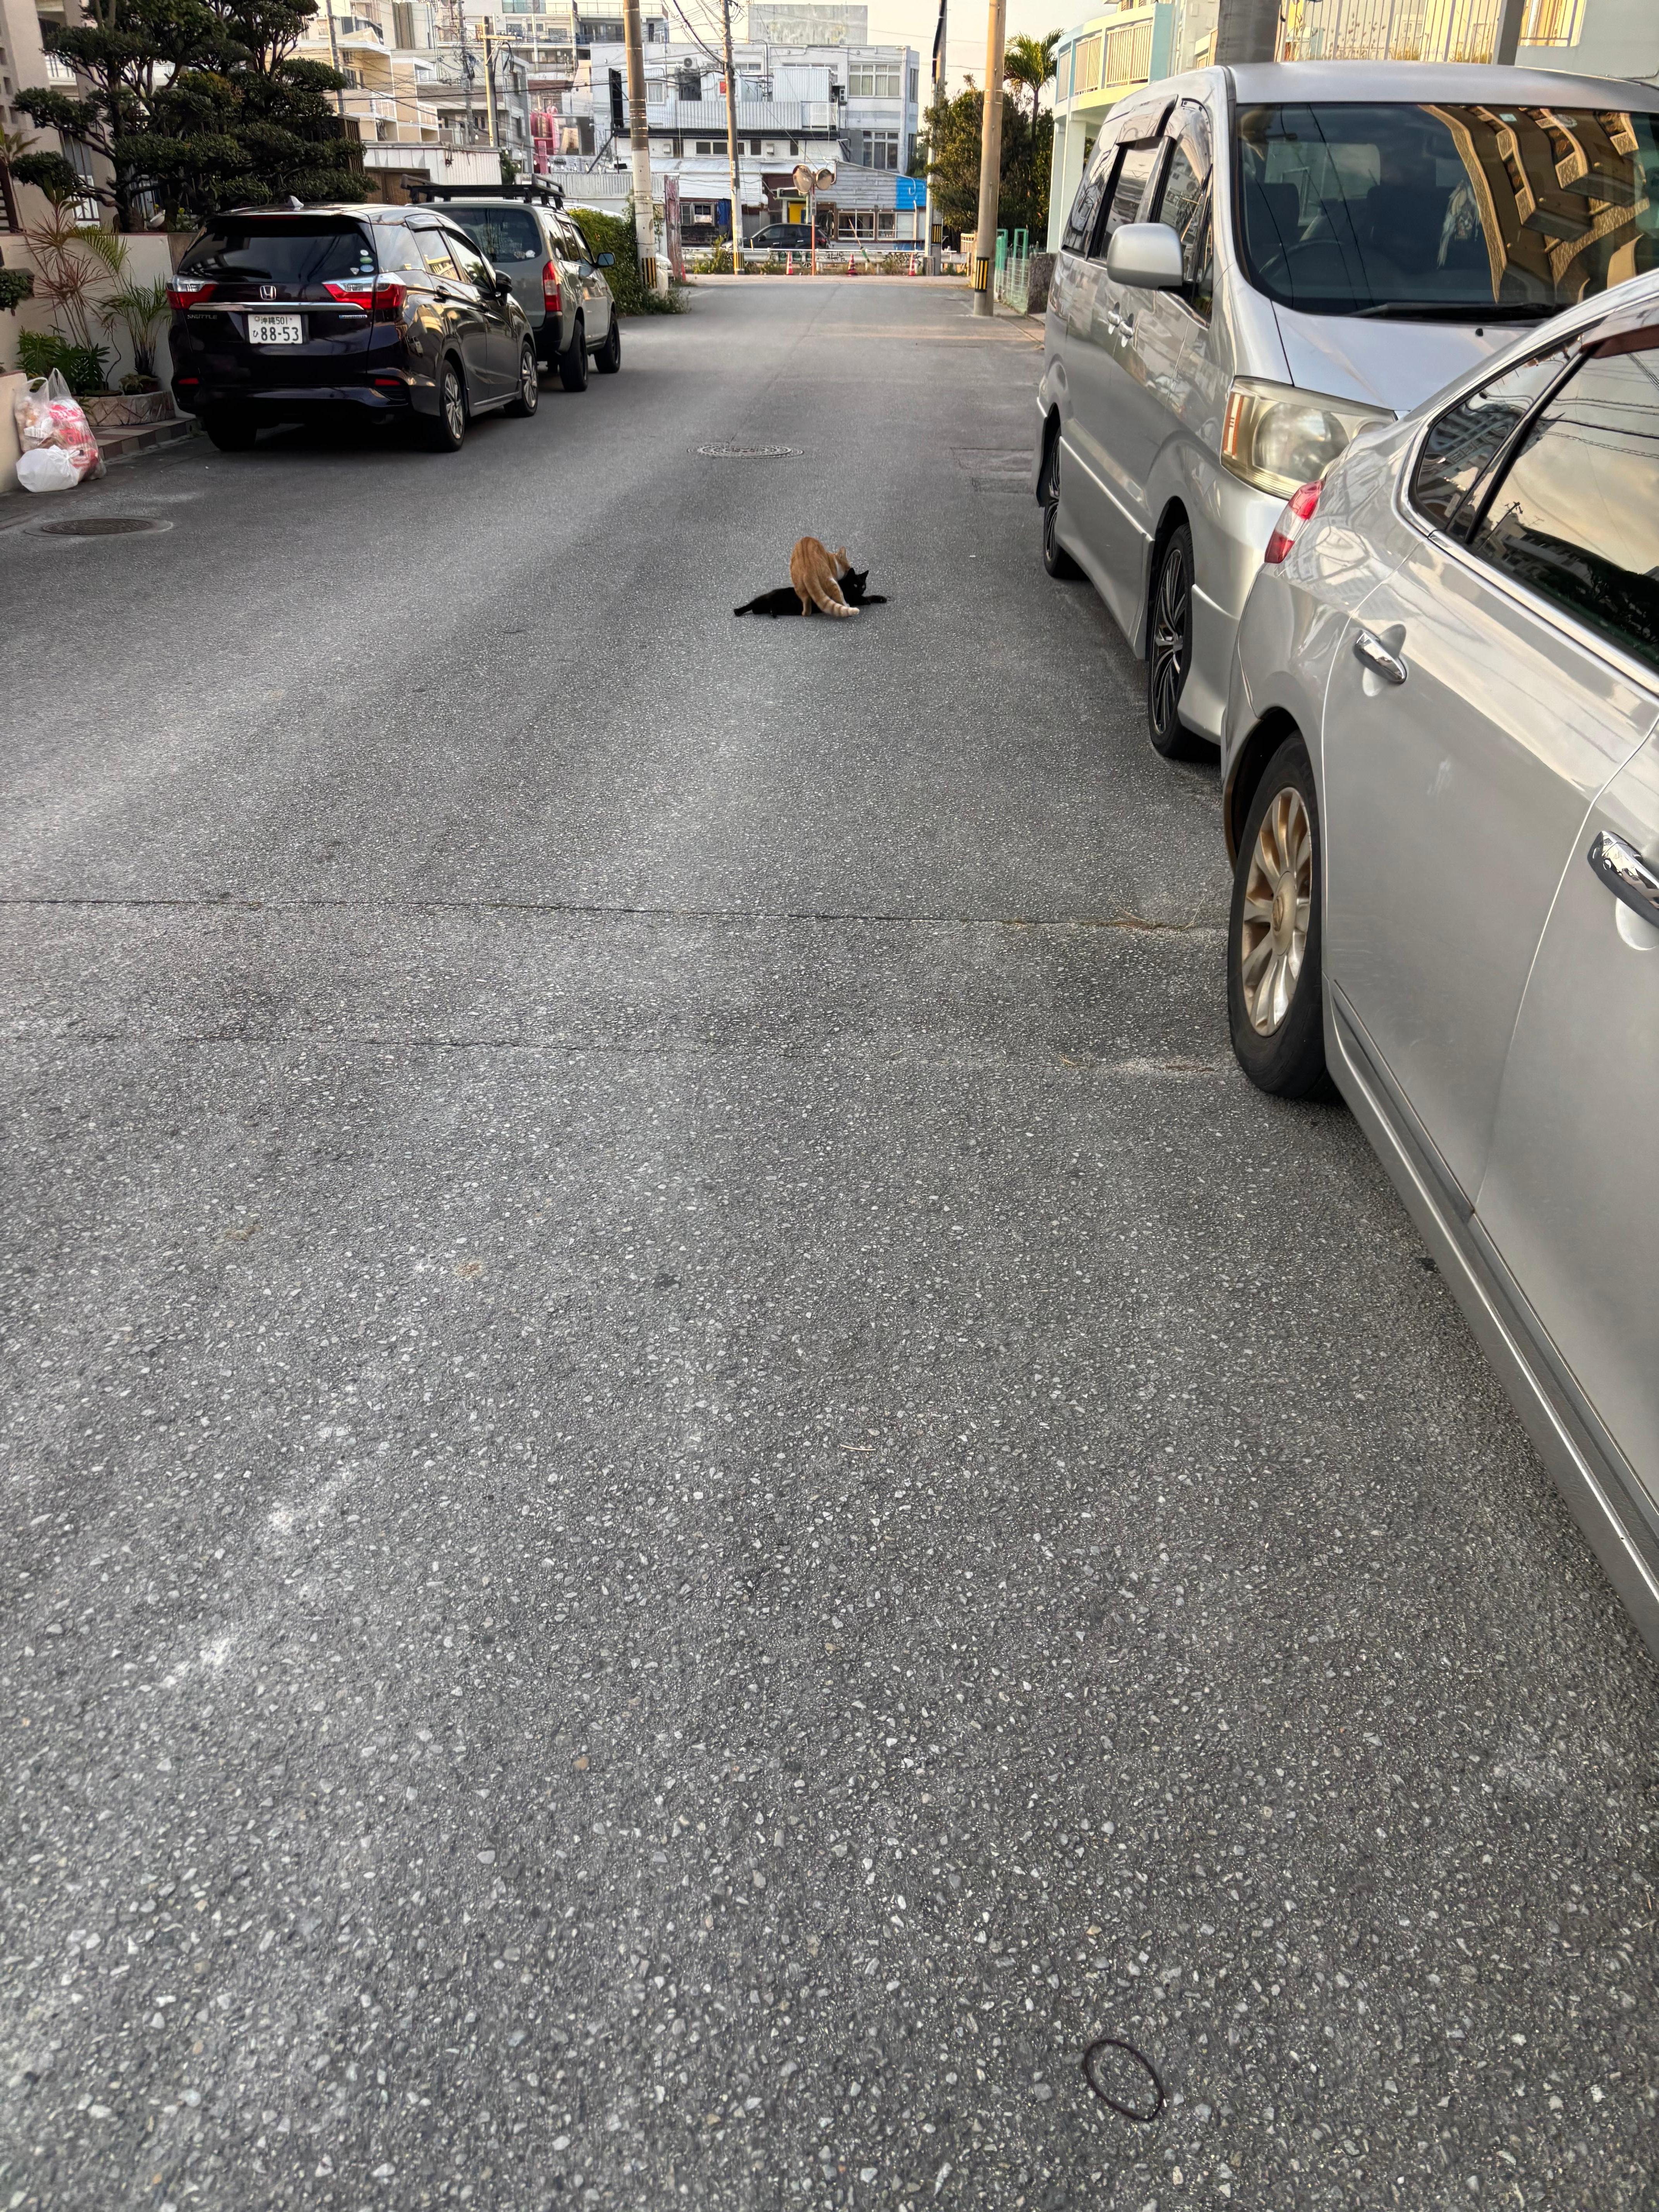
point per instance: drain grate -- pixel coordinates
(100, 526)
(746, 453)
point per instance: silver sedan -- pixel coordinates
(1441, 776)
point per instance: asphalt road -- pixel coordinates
(689, 1485)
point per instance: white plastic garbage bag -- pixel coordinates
(47, 468)
(50, 417)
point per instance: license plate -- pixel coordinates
(275, 330)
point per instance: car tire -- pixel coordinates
(608, 359)
(530, 390)
(1169, 646)
(231, 432)
(445, 430)
(1056, 560)
(1275, 931)
(573, 362)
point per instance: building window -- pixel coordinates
(1085, 69)
(915, 82)
(886, 222)
(873, 81)
(856, 223)
(876, 149)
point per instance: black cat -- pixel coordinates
(785, 602)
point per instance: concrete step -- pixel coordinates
(123, 444)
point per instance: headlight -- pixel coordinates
(1280, 438)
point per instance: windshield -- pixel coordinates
(1448, 210)
(293, 254)
(505, 233)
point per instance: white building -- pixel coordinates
(810, 88)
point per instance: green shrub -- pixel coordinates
(614, 233)
(39, 352)
(15, 284)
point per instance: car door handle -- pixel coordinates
(1625, 874)
(1375, 656)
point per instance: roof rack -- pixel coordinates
(539, 194)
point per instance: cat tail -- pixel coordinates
(826, 605)
(749, 606)
(872, 600)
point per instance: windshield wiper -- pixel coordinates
(1461, 311)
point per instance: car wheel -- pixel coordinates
(608, 359)
(1169, 646)
(530, 390)
(573, 362)
(231, 434)
(446, 429)
(1055, 559)
(1274, 931)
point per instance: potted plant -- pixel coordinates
(140, 310)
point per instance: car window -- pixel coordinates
(575, 244)
(1463, 442)
(1092, 189)
(291, 253)
(1183, 201)
(1128, 188)
(1576, 514)
(1460, 208)
(435, 252)
(397, 246)
(468, 259)
(507, 234)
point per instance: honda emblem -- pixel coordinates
(267, 291)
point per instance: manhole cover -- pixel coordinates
(100, 526)
(746, 453)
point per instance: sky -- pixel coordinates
(911, 23)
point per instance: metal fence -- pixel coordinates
(1011, 282)
(1395, 30)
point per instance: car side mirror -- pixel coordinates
(503, 286)
(606, 261)
(1146, 255)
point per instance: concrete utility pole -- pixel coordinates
(490, 119)
(1510, 17)
(639, 145)
(941, 70)
(1246, 31)
(334, 55)
(990, 161)
(732, 140)
(466, 70)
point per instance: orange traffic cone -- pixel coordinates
(788, 264)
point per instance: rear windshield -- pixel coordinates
(1453, 210)
(504, 234)
(296, 252)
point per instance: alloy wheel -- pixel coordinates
(1277, 903)
(454, 406)
(1171, 632)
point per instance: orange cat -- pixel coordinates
(816, 574)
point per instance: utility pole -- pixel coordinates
(1246, 31)
(334, 54)
(941, 72)
(489, 85)
(1510, 17)
(990, 161)
(639, 145)
(731, 141)
(466, 68)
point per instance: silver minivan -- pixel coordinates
(1261, 260)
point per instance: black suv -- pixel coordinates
(787, 237)
(387, 312)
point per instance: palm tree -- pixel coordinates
(1029, 63)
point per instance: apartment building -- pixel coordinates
(1120, 47)
(418, 92)
(810, 88)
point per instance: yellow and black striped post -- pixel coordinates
(981, 273)
(648, 273)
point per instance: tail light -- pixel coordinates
(552, 298)
(381, 297)
(184, 292)
(1298, 509)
